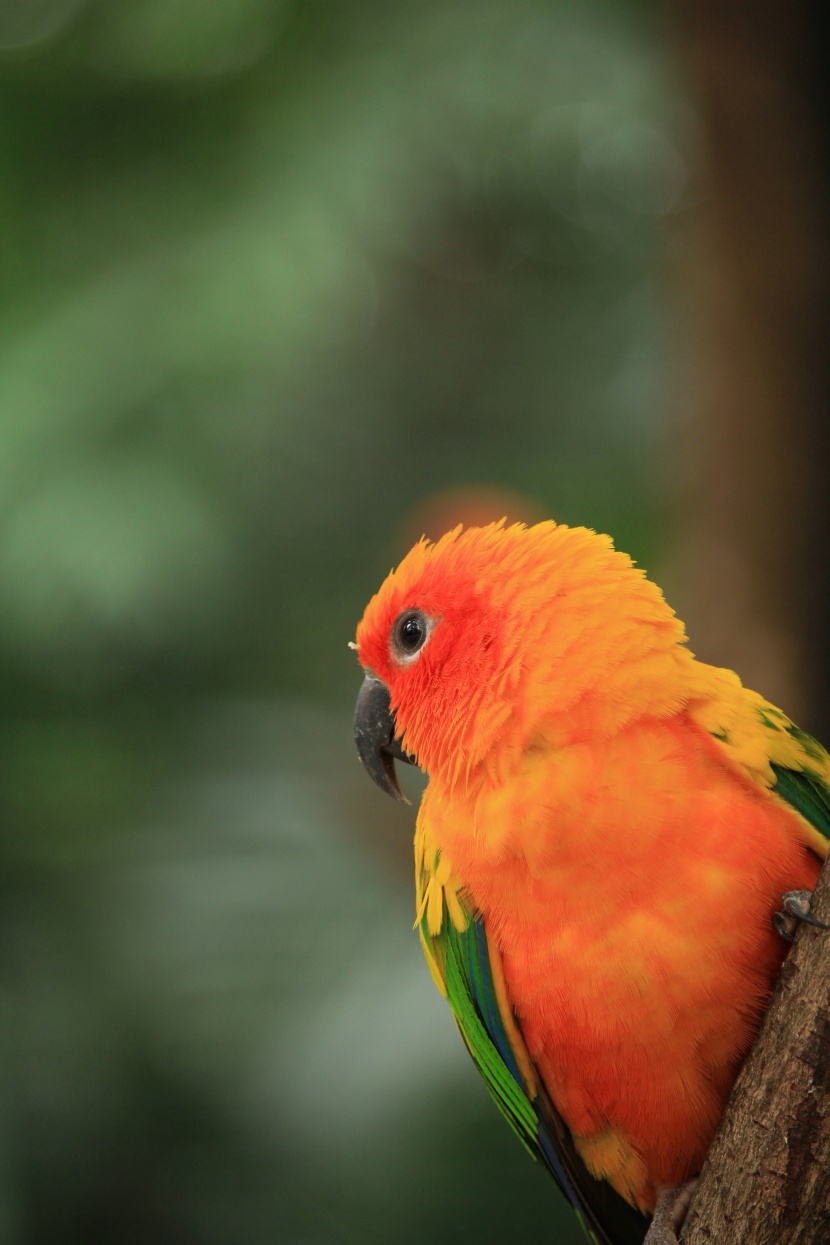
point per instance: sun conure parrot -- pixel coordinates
(603, 845)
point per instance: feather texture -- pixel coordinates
(608, 829)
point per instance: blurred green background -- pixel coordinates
(277, 274)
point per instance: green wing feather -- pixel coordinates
(807, 794)
(807, 789)
(462, 960)
(763, 744)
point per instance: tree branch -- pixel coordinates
(767, 1177)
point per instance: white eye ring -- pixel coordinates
(410, 632)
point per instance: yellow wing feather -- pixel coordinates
(754, 735)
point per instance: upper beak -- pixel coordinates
(374, 734)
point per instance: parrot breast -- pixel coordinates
(629, 886)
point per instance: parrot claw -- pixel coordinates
(670, 1213)
(780, 921)
(796, 905)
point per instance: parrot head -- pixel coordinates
(494, 632)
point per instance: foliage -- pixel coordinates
(275, 273)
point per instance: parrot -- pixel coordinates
(613, 838)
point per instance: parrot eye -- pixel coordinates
(410, 633)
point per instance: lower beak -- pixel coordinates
(374, 734)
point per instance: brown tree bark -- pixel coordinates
(752, 570)
(766, 1180)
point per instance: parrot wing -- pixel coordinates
(761, 742)
(806, 791)
(468, 971)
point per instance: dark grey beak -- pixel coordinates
(374, 734)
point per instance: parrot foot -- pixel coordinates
(796, 905)
(670, 1212)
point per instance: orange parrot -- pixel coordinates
(609, 831)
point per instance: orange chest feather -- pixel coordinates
(630, 886)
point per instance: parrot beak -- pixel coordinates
(374, 734)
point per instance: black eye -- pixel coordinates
(410, 632)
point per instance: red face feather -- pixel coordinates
(523, 622)
(437, 694)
